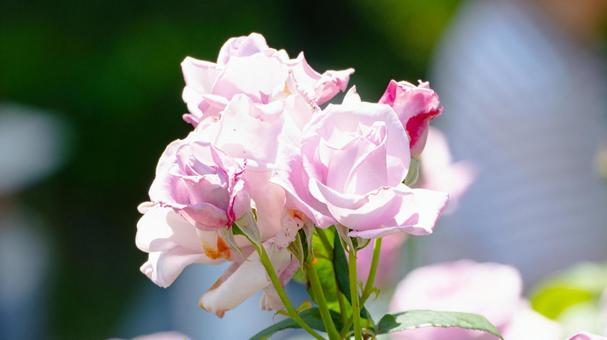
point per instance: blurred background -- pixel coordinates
(90, 94)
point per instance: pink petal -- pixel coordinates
(415, 106)
(241, 47)
(242, 280)
(414, 211)
(172, 244)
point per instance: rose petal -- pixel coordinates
(241, 47)
(172, 244)
(242, 280)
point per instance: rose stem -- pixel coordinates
(321, 301)
(372, 271)
(354, 294)
(265, 260)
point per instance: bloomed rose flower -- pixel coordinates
(199, 191)
(200, 183)
(247, 66)
(488, 289)
(415, 106)
(352, 161)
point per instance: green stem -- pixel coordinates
(372, 272)
(322, 302)
(342, 305)
(265, 260)
(346, 328)
(354, 294)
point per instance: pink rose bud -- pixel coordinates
(415, 106)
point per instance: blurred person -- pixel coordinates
(31, 147)
(523, 87)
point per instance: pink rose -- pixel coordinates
(247, 66)
(200, 183)
(199, 191)
(489, 289)
(350, 169)
(262, 139)
(415, 106)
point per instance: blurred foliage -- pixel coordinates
(111, 71)
(575, 297)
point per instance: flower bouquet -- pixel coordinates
(282, 188)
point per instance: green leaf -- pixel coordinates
(552, 300)
(427, 318)
(360, 243)
(579, 285)
(310, 316)
(318, 246)
(340, 263)
(323, 265)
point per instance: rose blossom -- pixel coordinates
(415, 106)
(222, 171)
(200, 183)
(198, 192)
(247, 66)
(353, 159)
(488, 289)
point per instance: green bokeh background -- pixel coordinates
(110, 70)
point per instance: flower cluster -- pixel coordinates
(264, 161)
